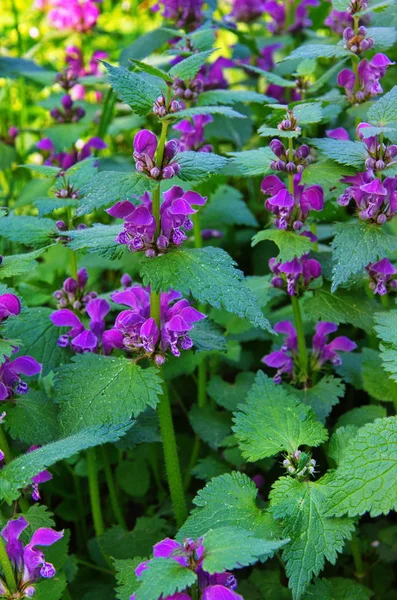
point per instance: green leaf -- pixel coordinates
(228, 501)
(226, 208)
(30, 231)
(362, 415)
(108, 187)
(230, 395)
(386, 327)
(19, 263)
(384, 37)
(337, 588)
(132, 89)
(308, 112)
(226, 97)
(209, 275)
(115, 390)
(151, 70)
(377, 383)
(121, 544)
(355, 245)
(290, 244)
(339, 442)
(210, 425)
(46, 206)
(51, 589)
(82, 172)
(206, 336)
(189, 67)
(366, 479)
(266, 131)
(33, 419)
(38, 337)
(127, 581)
(99, 239)
(341, 307)
(8, 155)
(384, 111)
(7, 348)
(163, 577)
(344, 152)
(45, 170)
(271, 77)
(226, 111)
(314, 537)
(323, 396)
(228, 548)
(318, 51)
(19, 472)
(196, 166)
(250, 162)
(272, 421)
(209, 467)
(147, 43)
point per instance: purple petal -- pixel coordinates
(97, 143)
(346, 79)
(292, 267)
(14, 528)
(283, 198)
(375, 187)
(166, 548)
(285, 327)
(9, 305)
(65, 318)
(173, 193)
(45, 144)
(121, 209)
(26, 365)
(113, 338)
(381, 60)
(181, 207)
(44, 536)
(384, 267)
(314, 195)
(271, 185)
(277, 359)
(219, 592)
(195, 198)
(339, 133)
(86, 341)
(97, 309)
(342, 344)
(145, 142)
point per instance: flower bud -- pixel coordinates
(290, 167)
(379, 165)
(61, 225)
(155, 172)
(67, 102)
(370, 163)
(381, 219)
(70, 285)
(277, 148)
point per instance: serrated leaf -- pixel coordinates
(82, 172)
(7, 348)
(196, 166)
(344, 152)
(228, 501)
(209, 275)
(115, 390)
(376, 381)
(226, 208)
(189, 67)
(308, 112)
(270, 77)
(163, 577)
(271, 421)
(290, 244)
(127, 581)
(147, 43)
(19, 263)
(386, 327)
(226, 111)
(209, 467)
(108, 187)
(228, 548)
(384, 111)
(230, 395)
(210, 425)
(314, 537)
(98, 238)
(121, 544)
(317, 51)
(46, 206)
(366, 479)
(33, 419)
(362, 415)
(340, 307)
(266, 131)
(19, 472)
(45, 170)
(30, 231)
(355, 245)
(226, 97)
(322, 397)
(339, 442)
(132, 89)
(38, 337)
(250, 162)
(151, 70)
(206, 336)
(384, 37)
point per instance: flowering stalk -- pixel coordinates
(302, 350)
(93, 484)
(7, 568)
(114, 501)
(164, 408)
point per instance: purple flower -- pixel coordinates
(286, 359)
(290, 211)
(140, 225)
(41, 477)
(73, 293)
(78, 15)
(141, 333)
(10, 305)
(211, 76)
(323, 352)
(294, 274)
(192, 133)
(357, 42)
(376, 200)
(379, 154)
(266, 58)
(65, 160)
(220, 592)
(382, 276)
(369, 75)
(338, 21)
(28, 562)
(10, 371)
(184, 13)
(247, 11)
(278, 13)
(145, 146)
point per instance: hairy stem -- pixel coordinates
(95, 499)
(114, 501)
(302, 350)
(357, 558)
(7, 568)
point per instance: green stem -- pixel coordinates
(4, 445)
(95, 498)
(114, 501)
(7, 568)
(80, 508)
(385, 301)
(171, 458)
(302, 350)
(357, 558)
(193, 459)
(202, 384)
(107, 113)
